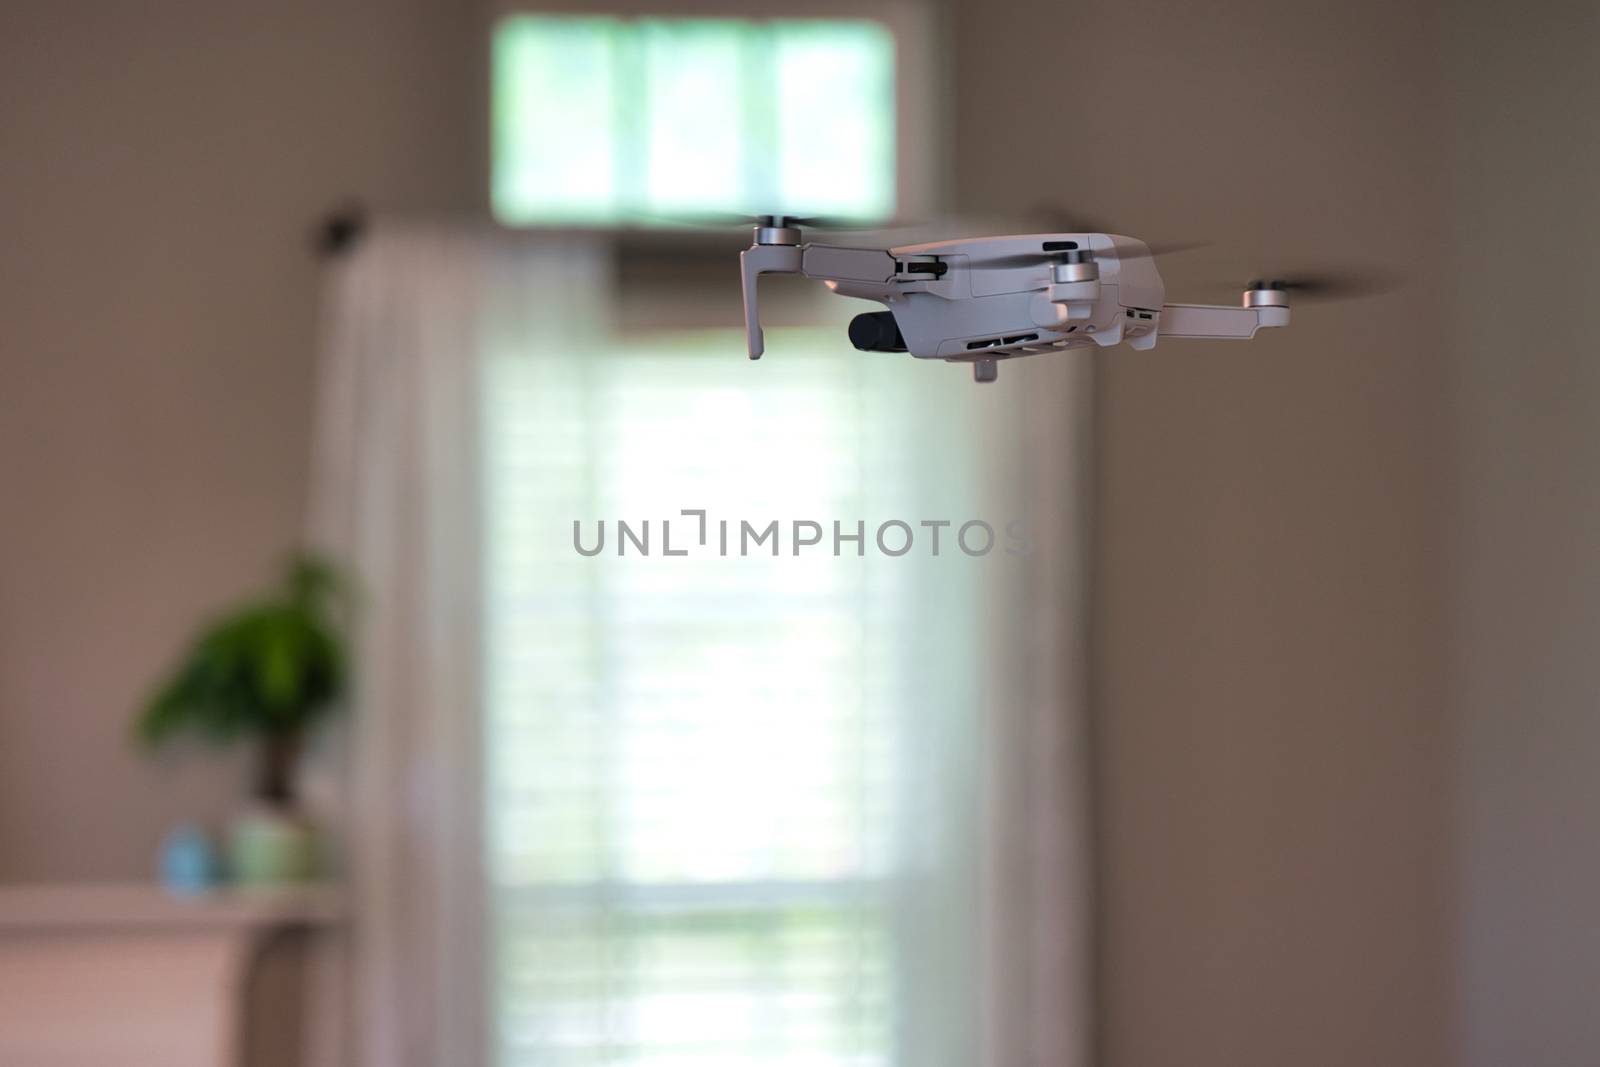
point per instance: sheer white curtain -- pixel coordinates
(411, 318)
(467, 390)
(1036, 896)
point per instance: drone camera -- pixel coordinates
(876, 331)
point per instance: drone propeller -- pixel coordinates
(1161, 248)
(1028, 259)
(713, 220)
(1322, 286)
(1056, 219)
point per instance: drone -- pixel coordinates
(985, 299)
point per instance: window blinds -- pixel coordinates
(728, 802)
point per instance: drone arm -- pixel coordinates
(1219, 322)
(831, 263)
(754, 262)
(840, 264)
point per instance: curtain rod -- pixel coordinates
(340, 230)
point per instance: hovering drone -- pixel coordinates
(981, 300)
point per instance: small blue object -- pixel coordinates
(189, 862)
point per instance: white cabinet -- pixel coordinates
(99, 975)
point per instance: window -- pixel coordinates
(727, 811)
(608, 120)
(725, 818)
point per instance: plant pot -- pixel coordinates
(271, 845)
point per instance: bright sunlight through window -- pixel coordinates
(716, 784)
(610, 120)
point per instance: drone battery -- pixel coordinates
(876, 331)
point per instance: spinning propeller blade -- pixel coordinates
(1027, 259)
(725, 219)
(1318, 286)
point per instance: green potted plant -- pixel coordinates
(270, 671)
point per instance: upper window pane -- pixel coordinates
(601, 120)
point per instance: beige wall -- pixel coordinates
(1272, 739)
(1526, 166)
(1289, 534)
(161, 165)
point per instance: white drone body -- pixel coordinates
(980, 300)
